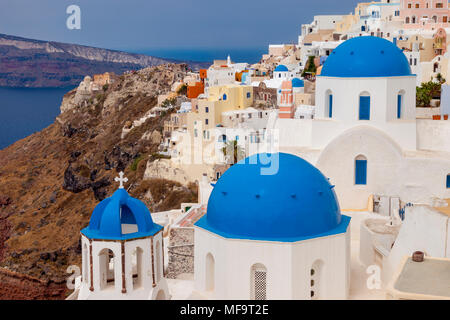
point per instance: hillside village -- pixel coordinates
(361, 97)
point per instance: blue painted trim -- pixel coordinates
(93, 234)
(341, 228)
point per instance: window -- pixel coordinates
(195, 133)
(259, 282)
(448, 181)
(137, 277)
(224, 97)
(206, 109)
(315, 280)
(329, 104)
(360, 170)
(107, 268)
(439, 5)
(364, 107)
(206, 121)
(249, 95)
(407, 20)
(409, 6)
(445, 19)
(417, 6)
(210, 265)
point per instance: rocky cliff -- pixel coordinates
(51, 181)
(35, 63)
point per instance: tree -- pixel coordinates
(426, 92)
(233, 152)
(310, 66)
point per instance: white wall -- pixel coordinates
(433, 135)
(383, 107)
(288, 266)
(424, 229)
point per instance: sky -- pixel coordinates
(146, 24)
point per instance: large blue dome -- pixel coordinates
(296, 203)
(366, 57)
(109, 215)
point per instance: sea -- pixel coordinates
(24, 111)
(250, 55)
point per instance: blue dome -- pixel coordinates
(294, 204)
(366, 57)
(297, 83)
(109, 215)
(281, 68)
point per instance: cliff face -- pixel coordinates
(52, 180)
(34, 63)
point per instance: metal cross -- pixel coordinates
(121, 179)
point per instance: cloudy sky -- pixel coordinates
(143, 24)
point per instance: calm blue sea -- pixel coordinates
(250, 55)
(24, 111)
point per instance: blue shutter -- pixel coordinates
(330, 107)
(360, 171)
(448, 181)
(364, 108)
(399, 106)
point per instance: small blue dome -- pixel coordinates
(366, 56)
(109, 215)
(297, 83)
(281, 68)
(294, 204)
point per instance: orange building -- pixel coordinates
(199, 87)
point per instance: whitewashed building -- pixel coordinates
(365, 135)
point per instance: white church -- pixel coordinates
(365, 136)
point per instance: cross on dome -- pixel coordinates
(121, 179)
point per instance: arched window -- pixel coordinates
(435, 19)
(107, 268)
(222, 138)
(158, 261)
(258, 285)
(137, 267)
(85, 263)
(400, 104)
(224, 97)
(448, 181)
(329, 104)
(364, 106)
(413, 20)
(407, 20)
(316, 274)
(210, 272)
(361, 170)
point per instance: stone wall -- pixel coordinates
(15, 286)
(181, 252)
